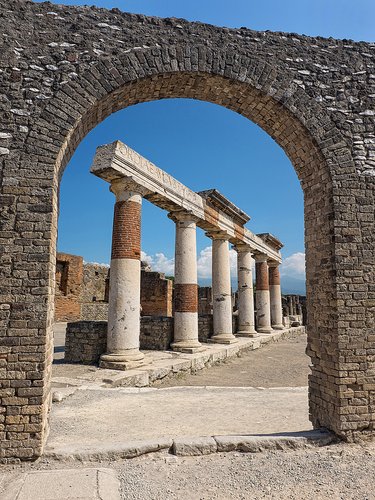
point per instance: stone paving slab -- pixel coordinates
(97, 421)
(163, 364)
(62, 484)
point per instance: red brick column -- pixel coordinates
(275, 296)
(125, 280)
(262, 294)
(186, 285)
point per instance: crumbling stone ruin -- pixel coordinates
(82, 290)
(65, 69)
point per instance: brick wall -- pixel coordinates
(288, 84)
(69, 275)
(82, 291)
(156, 294)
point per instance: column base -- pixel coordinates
(265, 329)
(247, 333)
(187, 347)
(223, 338)
(122, 361)
(278, 327)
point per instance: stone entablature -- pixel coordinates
(117, 160)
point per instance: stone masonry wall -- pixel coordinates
(86, 340)
(156, 294)
(86, 294)
(64, 69)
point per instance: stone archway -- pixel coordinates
(290, 88)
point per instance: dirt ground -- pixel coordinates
(282, 364)
(335, 472)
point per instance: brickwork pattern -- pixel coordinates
(274, 275)
(126, 235)
(186, 297)
(156, 294)
(69, 275)
(65, 69)
(261, 273)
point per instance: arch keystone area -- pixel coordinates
(314, 96)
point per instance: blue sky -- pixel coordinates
(201, 144)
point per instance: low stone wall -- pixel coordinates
(156, 333)
(86, 340)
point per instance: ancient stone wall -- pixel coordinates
(156, 294)
(86, 340)
(64, 69)
(156, 332)
(95, 283)
(205, 300)
(82, 291)
(68, 289)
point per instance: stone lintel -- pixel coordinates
(220, 202)
(271, 240)
(115, 161)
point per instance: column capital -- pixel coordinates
(124, 185)
(218, 235)
(273, 263)
(183, 216)
(243, 248)
(260, 257)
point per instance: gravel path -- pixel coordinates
(281, 364)
(336, 472)
(344, 472)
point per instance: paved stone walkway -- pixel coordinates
(62, 484)
(90, 421)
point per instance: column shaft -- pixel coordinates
(246, 320)
(124, 283)
(275, 298)
(262, 295)
(221, 293)
(186, 286)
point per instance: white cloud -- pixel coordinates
(294, 266)
(161, 263)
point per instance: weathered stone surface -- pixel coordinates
(190, 447)
(85, 484)
(314, 96)
(254, 444)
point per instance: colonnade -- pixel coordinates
(123, 341)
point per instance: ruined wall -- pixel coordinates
(82, 291)
(86, 340)
(205, 300)
(95, 283)
(156, 294)
(64, 69)
(69, 276)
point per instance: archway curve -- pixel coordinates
(267, 97)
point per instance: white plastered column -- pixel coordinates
(185, 285)
(262, 295)
(221, 290)
(125, 280)
(246, 320)
(275, 296)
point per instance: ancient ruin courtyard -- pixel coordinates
(311, 473)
